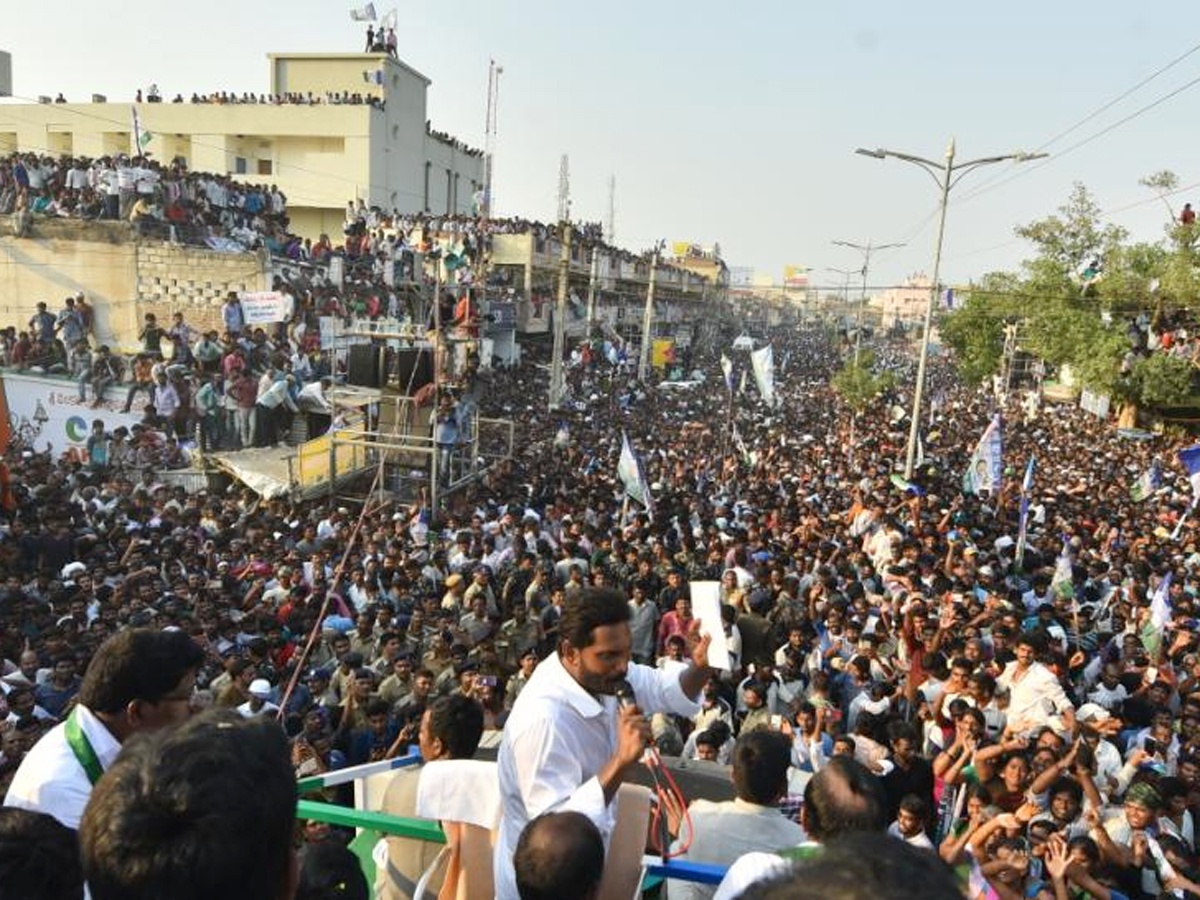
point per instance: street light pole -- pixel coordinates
(946, 175)
(866, 250)
(914, 427)
(648, 317)
(591, 298)
(560, 320)
(845, 273)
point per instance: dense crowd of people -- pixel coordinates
(153, 195)
(212, 390)
(900, 662)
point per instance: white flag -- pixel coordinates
(390, 19)
(762, 361)
(141, 137)
(364, 13)
(629, 470)
(727, 369)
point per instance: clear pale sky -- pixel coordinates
(733, 123)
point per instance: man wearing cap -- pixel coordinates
(259, 703)
(519, 634)
(481, 586)
(456, 588)
(1118, 836)
(516, 684)
(139, 680)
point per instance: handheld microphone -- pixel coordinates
(626, 699)
(625, 696)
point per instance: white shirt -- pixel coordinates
(557, 738)
(312, 396)
(51, 780)
(750, 869)
(723, 832)
(920, 839)
(1036, 696)
(267, 709)
(276, 395)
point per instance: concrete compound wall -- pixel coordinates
(195, 282)
(61, 258)
(123, 278)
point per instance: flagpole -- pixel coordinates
(728, 424)
(1179, 526)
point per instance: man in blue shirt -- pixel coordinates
(42, 324)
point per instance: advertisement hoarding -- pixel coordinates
(48, 414)
(795, 276)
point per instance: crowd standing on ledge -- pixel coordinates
(1035, 724)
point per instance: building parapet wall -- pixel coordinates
(122, 276)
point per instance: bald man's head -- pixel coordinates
(843, 797)
(559, 855)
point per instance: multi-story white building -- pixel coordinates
(321, 156)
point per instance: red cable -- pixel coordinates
(297, 673)
(665, 793)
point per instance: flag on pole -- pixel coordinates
(629, 469)
(762, 361)
(390, 19)
(1147, 484)
(1190, 457)
(906, 486)
(364, 13)
(141, 137)
(1023, 527)
(727, 369)
(1160, 615)
(986, 468)
(1063, 582)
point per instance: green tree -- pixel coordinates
(975, 331)
(858, 384)
(1163, 184)
(1068, 242)
(1074, 295)
(1161, 380)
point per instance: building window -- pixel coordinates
(264, 167)
(239, 165)
(395, 132)
(428, 168)
(449, 209)
(455, 207)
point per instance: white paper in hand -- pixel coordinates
(706, 606)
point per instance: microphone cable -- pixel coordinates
(666, 792)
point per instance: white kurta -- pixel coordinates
(1034, 695)
(50, 779)
(557, 738)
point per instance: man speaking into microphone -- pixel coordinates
(568, 744)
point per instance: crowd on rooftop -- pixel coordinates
(164, 200)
